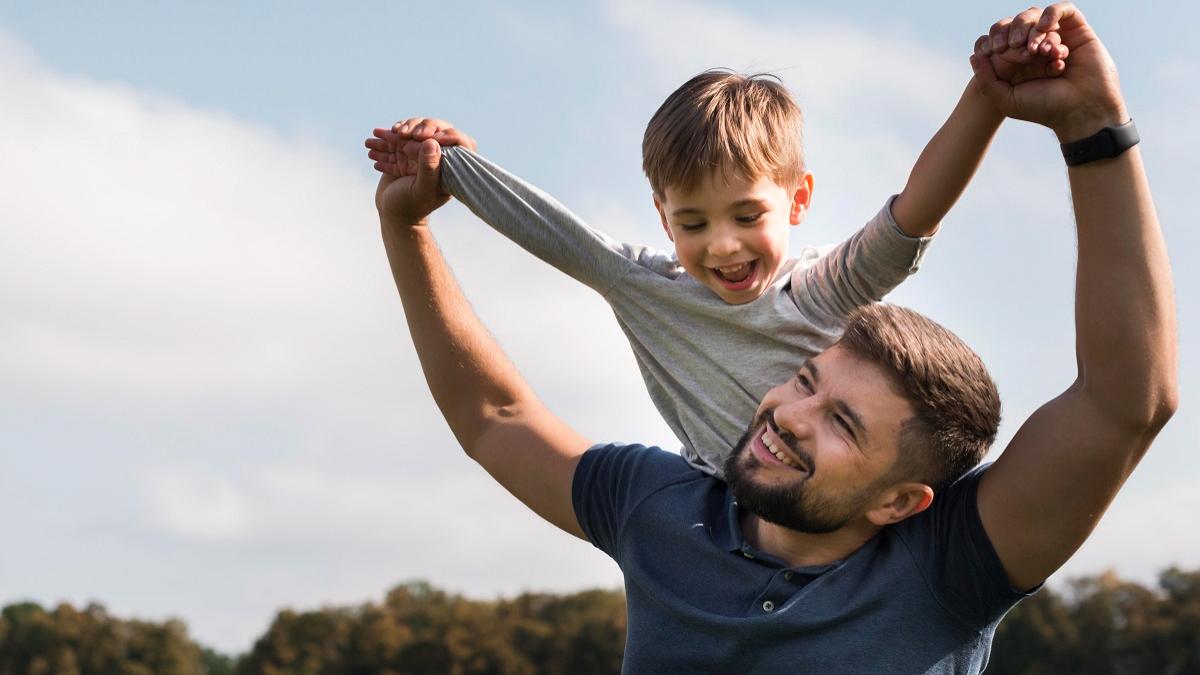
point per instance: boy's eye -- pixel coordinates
(749, 220)
(691, 227)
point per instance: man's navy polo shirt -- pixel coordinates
(923, 596)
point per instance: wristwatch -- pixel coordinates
(1104, 144)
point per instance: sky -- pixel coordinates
(210, 408)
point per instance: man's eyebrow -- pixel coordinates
(843, 407)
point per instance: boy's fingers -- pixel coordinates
(1061, 15)
(429, 126)
(980, 43)
(999, 35)
(405, 127)
(1024, 27)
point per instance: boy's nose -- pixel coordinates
(724, 245)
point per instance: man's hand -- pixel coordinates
(1083, 99)
(396, 150)
(409, 155)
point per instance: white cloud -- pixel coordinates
(194, 294)
(186, 503)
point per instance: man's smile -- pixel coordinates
(770, 449)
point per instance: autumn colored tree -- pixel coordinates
(67, 641)
(420, 629)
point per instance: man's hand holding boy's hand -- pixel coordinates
(1082, 99)
(396, 150)
(1019, 52)
(409, 156)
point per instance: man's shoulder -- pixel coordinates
(636, 463)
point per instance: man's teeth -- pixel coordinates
(777, 452)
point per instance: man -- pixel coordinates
(849, 539)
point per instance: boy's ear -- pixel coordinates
(662, 215)
(899, 502)
(801, 199)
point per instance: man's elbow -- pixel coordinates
(1168, 404)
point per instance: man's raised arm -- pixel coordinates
(1049, 488)
(492, 411)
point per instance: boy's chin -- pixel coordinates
(737, 297)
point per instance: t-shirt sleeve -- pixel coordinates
(859, 271)
(958, 558)
(611, 480)
(538, 223)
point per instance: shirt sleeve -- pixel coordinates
(858, 271)
(958, 558)
(540, 224)
(611, 480)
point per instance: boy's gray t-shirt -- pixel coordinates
(706, 363)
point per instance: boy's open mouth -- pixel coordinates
(737, 277)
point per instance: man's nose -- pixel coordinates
(795, 418)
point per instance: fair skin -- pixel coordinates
(731, 231)
(1054, 480)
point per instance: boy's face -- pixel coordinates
(731, 234)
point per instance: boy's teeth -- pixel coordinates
(735, 272)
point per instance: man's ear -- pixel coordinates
(662, 215)
(899, 502)
(801, 199)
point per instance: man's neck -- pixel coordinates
(801, 549)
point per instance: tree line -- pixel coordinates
(1097, 625)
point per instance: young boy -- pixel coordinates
(720, 322)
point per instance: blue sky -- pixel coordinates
(209, 407)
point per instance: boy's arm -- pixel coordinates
(947, 164)
(951, 157)
(526, 215)
(491, 410)
(881, 255)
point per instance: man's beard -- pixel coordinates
(794, 505)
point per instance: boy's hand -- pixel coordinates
(1019, 51)
(1083, 99)
(396, 150)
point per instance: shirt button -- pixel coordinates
(768, 606)
(787, 575)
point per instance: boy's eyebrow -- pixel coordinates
(841, 405)
(741, 203)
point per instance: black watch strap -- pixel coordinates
(1104, 144)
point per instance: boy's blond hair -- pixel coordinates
(745, 125)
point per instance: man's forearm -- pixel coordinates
(470, 378)
(1125, 309)
(947, 164)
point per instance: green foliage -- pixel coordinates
(1097, 625)
(419, 629)
(90, 642)
(1104, 626)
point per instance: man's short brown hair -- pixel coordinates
(747, 125)
(956, 403)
